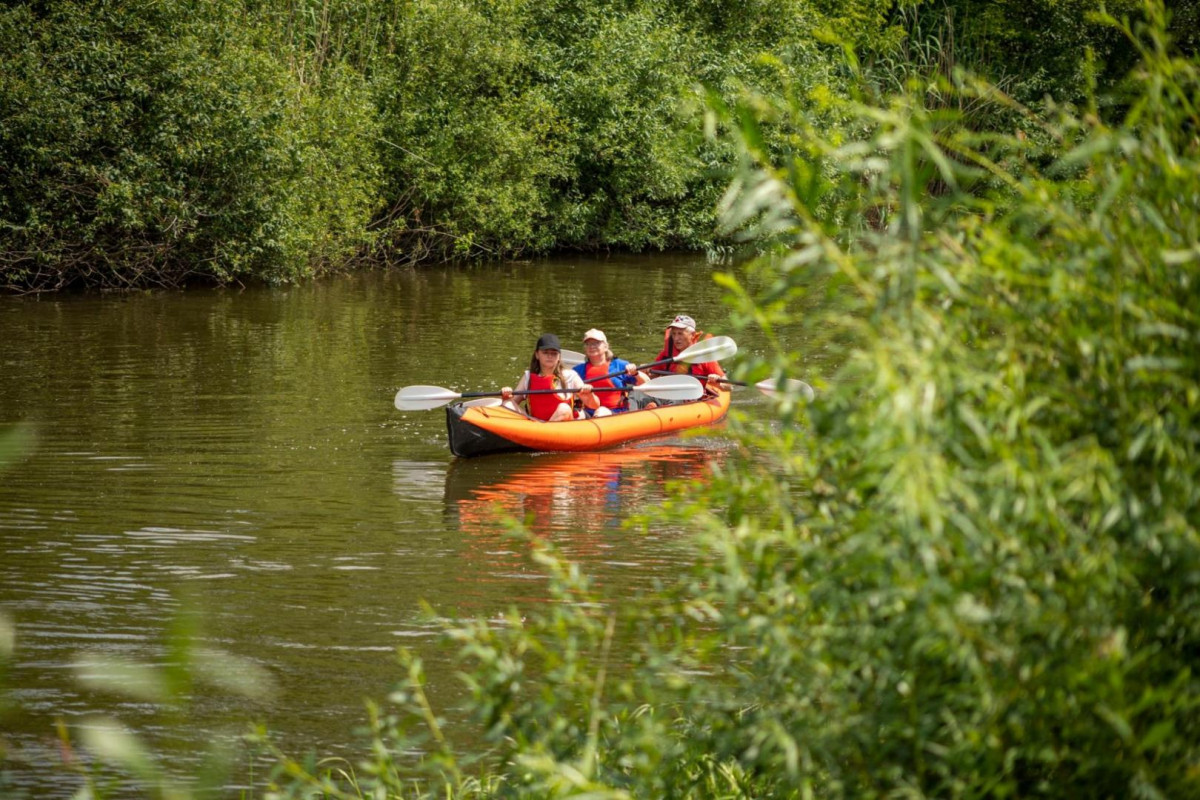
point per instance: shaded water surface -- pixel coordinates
(241, 448)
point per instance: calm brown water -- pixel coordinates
(241, 448)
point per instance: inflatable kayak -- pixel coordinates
(480, 430)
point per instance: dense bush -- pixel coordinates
(147, 143)
(972, 567)
(1033, 50)
(528, 126)
(152, 143)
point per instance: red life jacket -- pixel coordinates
(607, 399)
(702, 370)
(543, 406)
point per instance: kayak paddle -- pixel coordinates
(424, 398)
(571, 358)
(483, 402)
(790, 386)
(769, 387)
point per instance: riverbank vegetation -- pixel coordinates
(158, 144)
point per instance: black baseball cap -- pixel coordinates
(549, 341)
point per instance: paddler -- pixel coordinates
(679, 336)
(600, 364)
(546, 372)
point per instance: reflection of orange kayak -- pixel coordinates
(479, 430)
(583, 494)
(498, 479)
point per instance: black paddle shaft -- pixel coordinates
(542, 391)
(722, 380)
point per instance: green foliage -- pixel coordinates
(515, 127)
(972, 567)
(1048, 48)
(1184, 27)
(149, 144)
(221, 140)
(976, 574)
(467, 149)
(155, 143)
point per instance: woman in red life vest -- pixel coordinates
(601, 362)
(679, 336)
(546, 372)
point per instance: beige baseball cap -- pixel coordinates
(685, 322)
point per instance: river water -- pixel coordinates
(238, 451)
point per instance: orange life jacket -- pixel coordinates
(543, 406)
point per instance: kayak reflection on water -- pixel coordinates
(578, 501)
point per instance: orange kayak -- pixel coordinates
(480, 430)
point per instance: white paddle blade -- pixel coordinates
(790, 386)
(571, 358)
(718, 348)
(423, 398)
(483, 402)
(673, 387)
